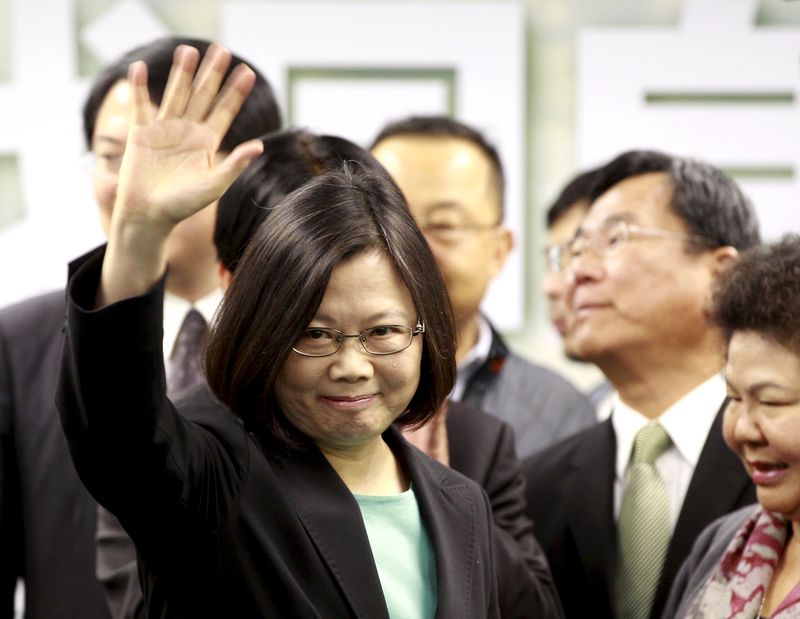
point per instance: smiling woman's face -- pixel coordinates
(762, 421)
(350, 397)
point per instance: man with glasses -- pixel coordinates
(48, 520)
(618, 506)
(453, 181)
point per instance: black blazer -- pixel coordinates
(47, 517)
(482, 448)
(227, 523)
(570, 500)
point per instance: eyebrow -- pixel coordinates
(626, 216)
(761, 386)
(372, 320)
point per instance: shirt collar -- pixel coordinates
(176, 308)
(687, 422)
(474, 359)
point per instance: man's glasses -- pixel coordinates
(610, 238)
(380, 340)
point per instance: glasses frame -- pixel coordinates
(362, 338)
(561, 256)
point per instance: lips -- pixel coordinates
(765, 473)
(348, 402)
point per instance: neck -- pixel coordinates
(467, 334)
(651, 383)
(192, 286)
(370, 468)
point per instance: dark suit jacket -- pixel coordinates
(47, 518)
(482, 448)
(228, 523)
(570, 500)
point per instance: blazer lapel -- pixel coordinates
(332, 519)
(718, 485)
(588, 497)
(441, 502)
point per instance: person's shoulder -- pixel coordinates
(463, 417)
(532, 376)
(34, 313)
(557, 456)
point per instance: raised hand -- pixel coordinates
(172, 167)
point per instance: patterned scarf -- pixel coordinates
(738, 584)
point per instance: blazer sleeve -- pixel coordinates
(155, 470)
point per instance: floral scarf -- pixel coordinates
(737, 585)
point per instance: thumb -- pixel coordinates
(234, 164)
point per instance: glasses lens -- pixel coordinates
(387, 339)
(317, 342)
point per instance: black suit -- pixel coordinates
(482, 448)
(47, 518)
(570, 499)
(227, 523)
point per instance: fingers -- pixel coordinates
(235, 91)
(179, 82)
(207, 82)
(142, 110)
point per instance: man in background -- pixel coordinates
(453, 181)
(47, 519)
(618, 506)
(563, 219)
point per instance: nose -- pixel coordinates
(746, 428)
(351, 363)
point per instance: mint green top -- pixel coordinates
(403, 554)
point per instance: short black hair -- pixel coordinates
(761, 293)
(579, 188)
(282, 279)
(259, 114)
(290, 159)
(708, 201)
(444, 126)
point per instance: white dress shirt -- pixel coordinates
(687, 422)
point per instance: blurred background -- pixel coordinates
(557, 85)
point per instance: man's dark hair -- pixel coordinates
(761, 293)
(290, 159)
(443, 126)
(579, 188)
(259, 114)
(282, 279)
(708, 201)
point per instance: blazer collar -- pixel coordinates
(588, 496)
(332, 519)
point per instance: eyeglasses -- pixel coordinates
(451, 233)
(380, 340)
(610, 238)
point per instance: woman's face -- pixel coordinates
(762, 421)
(349, 398)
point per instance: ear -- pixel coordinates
(504, 243)
(722, 258)
(225, 276)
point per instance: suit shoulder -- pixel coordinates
(559, 455)
(541, 382)
(466, 419)
(34, 315)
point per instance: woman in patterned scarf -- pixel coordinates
(747, 564)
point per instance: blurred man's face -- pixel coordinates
(192, 239)
(640, 294)
(449, 186)
(554, 286)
